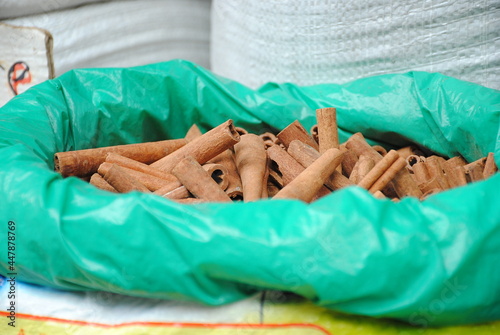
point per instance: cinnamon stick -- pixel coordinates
(251, 162)
(198, 181)
(454, 171)
(192, 133)
(295, 131)
(202, 148)
(85, 162)
(306, 155)
(122, 181)
(151, 182)
(388, 175)
(180, 192)
(380, 149)
(380, 167)
(314, 133)
(361, 169)
(435, 169)
(234, 189)
(99, 182)
(138, 166)
(490, 168)
(474, 170)
(328, 135)
(307, 184)
(219, 174)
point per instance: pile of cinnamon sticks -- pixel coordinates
(228, 164)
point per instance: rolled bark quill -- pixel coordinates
(435, 169)
(349, 162)
(307, 184)
(380, 149)
(219, 173)
(306, 155)
(409, 150)
(474, 171)
(490, 168)
(289, 167)
(295, 131)
(251, 162)
(168, 188)
(403, 183)
(85, 162)
(197, 181)
(412, 160)
(122, 181)
(454, 171)
(202, 148)
(269, 139)
(361, 169)
(328, 135)
(241, 131)
(190, 201)
(178, 193)
(234, 189)
(314, 133)
(388, 175)
(100, 183)
(192, 133)
(151, 182)
(138, 166)
(380, 167)
(420, 173)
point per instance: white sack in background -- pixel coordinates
(17, 8)
(126, 33)
(318, 41)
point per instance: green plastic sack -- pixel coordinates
(427, 263)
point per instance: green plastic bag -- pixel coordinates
(426, 263)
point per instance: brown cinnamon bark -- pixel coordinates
(99, 182)
(138, 166)
(307, 184)
(180, 192)
(306, 155)
(454, 171)
(192, 133)
(151, 182)
(380, 167)
(327, 129)
(420, 173)
(388, 175)
(409, 150)
(202, 148)
(234, 189)
(190, 201)
(122, 181)
(314, 133)
(380, 149)
(198, 182)
(85, 162)
(219, 173)
(474, 171)
(251, 162)
(490, 168)
(295, 131)
(289, 167)
(349, 162)
(435, 167)
(403, 184)
(361, 169)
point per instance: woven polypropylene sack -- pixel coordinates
(322, 41)
(427, 263)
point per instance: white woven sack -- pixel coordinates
(317, 41)
(126, 33)
(18, 8)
